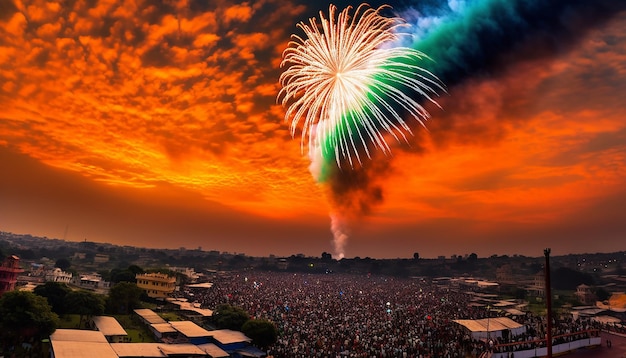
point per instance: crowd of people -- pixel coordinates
(565, 329)
(338, 315)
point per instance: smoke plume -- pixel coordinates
(466, 40)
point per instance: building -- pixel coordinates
(157, 350)
(235, 343)
(160, 328)
(110, 328)
(585, 294)
(191, 332)
(9, 270)
(58, 275)
(71, 343)
(92, 282)
(156, 285)
(538, 287)
(189, 272)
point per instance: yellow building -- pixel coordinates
(156, 285)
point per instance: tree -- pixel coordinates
(326, 256)
(230, 317)
(564, 278)
(135, 269)
(84, 303)
(63, 264)
(602, 294)
(123, 297)
(125, 275)
(55, 293)
(416, 256)
(519, 293)
(24, 314)
(262, 332)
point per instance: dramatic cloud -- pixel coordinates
(136, 122)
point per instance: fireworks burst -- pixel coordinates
(347, 85)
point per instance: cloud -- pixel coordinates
(180, 97)
(129, 94)
(522, 152)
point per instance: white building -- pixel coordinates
(58, 275)
(92, 282)
(191, 274)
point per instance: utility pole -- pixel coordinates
(546, 252)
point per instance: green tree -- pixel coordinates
(124, 297)
(85, 304)
(63, 264)
(564, 278)
(230, 317)
(25, 314)
(55, 293)
(122, 275)
(262, 332)
(602, 294)
(135, 269)
(519, 293)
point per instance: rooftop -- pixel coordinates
(213, 350)
(190, 329)
(77, 335)
(227, 336)
(109, 326)
(149, 315)
(163, 327)
(155, 349)
(70, 343)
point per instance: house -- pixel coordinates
(110, 328)
(57, 275)
(538, 287)
(9, 270)
(585, 295)
(150, 350)
(191, 332)
(156, 285)
(161, 329)
(71, 343)
(235, 343)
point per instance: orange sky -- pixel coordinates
(159, 127)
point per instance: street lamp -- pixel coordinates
(488, 316)
(489, 342)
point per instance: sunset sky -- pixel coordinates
(150, 125)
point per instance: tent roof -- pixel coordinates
(190, 329)
(109, 326)
(227, 336)
(149, 315)
(514, 311)
(488, 324)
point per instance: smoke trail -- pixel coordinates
(338, 224)
(352, 193)
(467, 40)
(478, 38)
(340, 235)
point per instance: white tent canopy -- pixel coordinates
(491, 327)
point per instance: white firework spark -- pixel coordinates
(345, 82)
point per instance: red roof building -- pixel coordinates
(9, 270)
